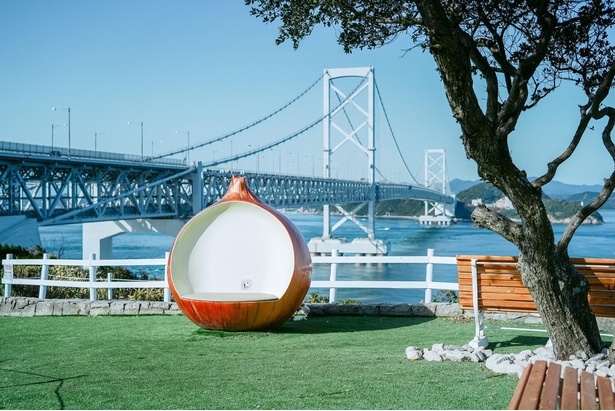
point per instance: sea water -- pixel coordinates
(405, 236)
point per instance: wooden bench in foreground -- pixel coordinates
(493, 283)
(542, 386)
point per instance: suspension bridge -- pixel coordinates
(110, 193)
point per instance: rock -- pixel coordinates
(437, 347)
(458, 355)
(448, 310)
(477, 357)
(524, 355)
(578, 364)
(414, 353)
(602, 373)
(512, 363)
(502, 365)
(543, 353)
(430, 355)
(597, 357)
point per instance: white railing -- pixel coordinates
(332, 284)
(429, 285)
(92, 283)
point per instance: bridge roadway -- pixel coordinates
(57, 186)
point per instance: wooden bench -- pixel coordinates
(493, 283)
(544, 386)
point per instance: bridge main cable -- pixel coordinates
(249, 126)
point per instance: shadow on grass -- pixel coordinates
(328, 324)
(46, 379)
(520, 341)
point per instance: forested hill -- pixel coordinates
(560, 210)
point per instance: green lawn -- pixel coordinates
(166, 362)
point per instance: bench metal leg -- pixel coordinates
(480, 339)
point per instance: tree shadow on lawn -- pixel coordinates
(44, 379)
(518, 341)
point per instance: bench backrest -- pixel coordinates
(500, 287)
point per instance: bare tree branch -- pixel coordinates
(574, 143)
(593, 106)
(483, 217)
(583, 213)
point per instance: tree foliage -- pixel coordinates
(498, 59)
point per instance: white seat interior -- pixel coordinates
(234, 251)
(221, 297)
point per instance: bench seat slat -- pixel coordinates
(518, 394)
(542, 387)
(605, 393)
(570, 389)
(533, 388)
(551, 390)
(588, 391)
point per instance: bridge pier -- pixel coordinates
(98, 236)
(358, 246)
(436, 220)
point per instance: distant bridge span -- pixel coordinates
(58, 187)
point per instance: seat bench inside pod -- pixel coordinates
(239, 264)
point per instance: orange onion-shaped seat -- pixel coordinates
(239, 264)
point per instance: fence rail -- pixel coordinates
(334, 260)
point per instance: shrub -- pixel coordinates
(445, 296)
(315, 298)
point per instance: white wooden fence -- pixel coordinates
(332, 284)
(91, 265)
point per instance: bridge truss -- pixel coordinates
(64, 190)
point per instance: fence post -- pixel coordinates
(333, 277)
(42, 289)
(93, 290)
(429, 276)
(8, 276)
(167, 290)
(110, 289)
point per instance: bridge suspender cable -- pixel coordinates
(267, 147)
(287, 138)
(179, 151)
(393, 134)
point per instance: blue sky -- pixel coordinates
(210, 68)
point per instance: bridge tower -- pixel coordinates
(435, 178)
(344, 131)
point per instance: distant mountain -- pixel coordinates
(458, 185)
(559, 210)
(589, 196)
(554, 189)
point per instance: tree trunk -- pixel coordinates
(560, 293)
(558, 289)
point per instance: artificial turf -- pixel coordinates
(166, 362)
